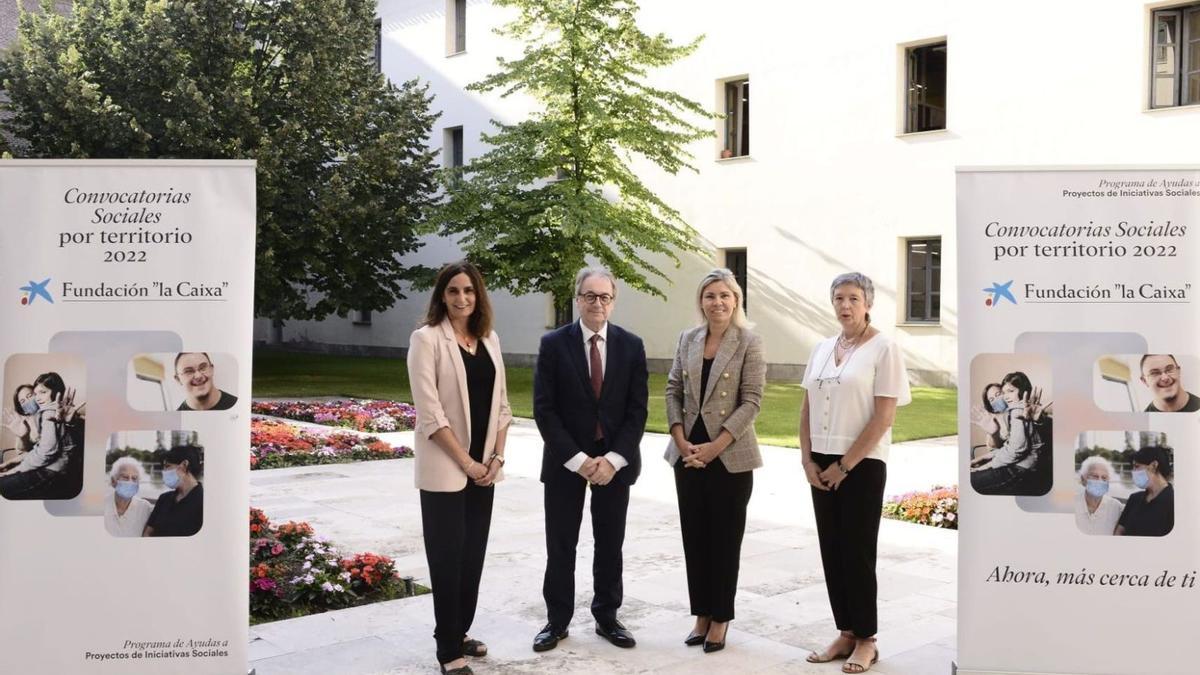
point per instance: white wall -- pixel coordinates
(830, 185)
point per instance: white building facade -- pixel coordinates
(843, 127)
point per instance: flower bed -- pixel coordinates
(275, 444)
(364, 415)
(294, 573)
(937, 507)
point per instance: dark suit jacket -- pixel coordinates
(566, 410)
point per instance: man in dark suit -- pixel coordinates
(589, 400)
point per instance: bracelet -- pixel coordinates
(842, 467)
(467, 468)
(499, 458)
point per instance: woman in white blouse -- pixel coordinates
(853, 381)
(1095, 511)
(125, 515)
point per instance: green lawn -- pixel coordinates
(279, 374)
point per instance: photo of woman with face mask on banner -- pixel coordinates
(1125, 483)
(156, 484)
(46, 428)
(125, 514)
(1012, 438)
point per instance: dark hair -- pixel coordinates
(53, 382)
(1018, 380)
(180, 355)
(480, 322)
(17, 397)
(987, 405)
(1156, 453)
(1142, 363)
(192, 454)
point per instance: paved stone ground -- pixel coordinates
(782, 610)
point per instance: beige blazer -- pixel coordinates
(733, 398)
(439, 388)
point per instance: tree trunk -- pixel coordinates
(276, 332)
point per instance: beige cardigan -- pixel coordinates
(439, 389)
(733, 399)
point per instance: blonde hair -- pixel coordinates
(726, 277)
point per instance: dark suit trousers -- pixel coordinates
(564, 513)
(455, 526)
(712, 518)
(848, 529)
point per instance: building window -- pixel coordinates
(737, 119)
(926, 88)
(924, 266)
(362, 317)
(452, 147)
(456, 27)
(378, 45)
(735, 261)
(1175, 57)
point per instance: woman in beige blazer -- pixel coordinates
(714, 391)
(458, 386)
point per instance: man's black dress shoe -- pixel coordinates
(616, 634)
(548, 638)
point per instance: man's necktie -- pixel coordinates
(597, 377)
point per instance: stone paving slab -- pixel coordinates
(783, 612)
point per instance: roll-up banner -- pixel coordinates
(126, 304)
(1079, 368)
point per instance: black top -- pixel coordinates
(481, 378)
(699, 431)
(1193, 404)
(183, 518)
(1149, 519)
(226, 402)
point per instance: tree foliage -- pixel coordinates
(345, 180)
(556, 188)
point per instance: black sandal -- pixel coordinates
(474, 648)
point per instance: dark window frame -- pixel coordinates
(925, 96)
(452, 147)
(1171, 49)
(932, 284)
(735, 134)
(736, 262)
(378, 45)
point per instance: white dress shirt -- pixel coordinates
(613, 458)
(841, 397)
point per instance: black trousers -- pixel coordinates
(564, 513)
(712, 518)
(455, 525)
(848, 529)
(32, 484)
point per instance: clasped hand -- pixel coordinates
(826, 480)
(483, 474)
(698, 456)
(597, 470)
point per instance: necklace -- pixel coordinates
(467, 343)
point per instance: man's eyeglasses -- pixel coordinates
(1169, 371)
(203, 369)
(592, 298)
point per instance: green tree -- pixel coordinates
(345, 180)
(556, 189)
